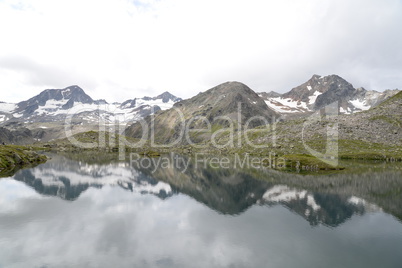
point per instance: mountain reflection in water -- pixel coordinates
(88, 210)
(329, 200)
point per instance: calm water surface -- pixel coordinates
(87, 211)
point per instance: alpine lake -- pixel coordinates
(92, 210)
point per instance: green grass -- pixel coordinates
(92, 140)
(388, 119)
(150, 153)
(356, 149)
(306, 162)
(14, 157)
(216, 127)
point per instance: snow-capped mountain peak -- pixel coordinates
(167, 97)
(53, 99)
(320, 91)
(163, 100)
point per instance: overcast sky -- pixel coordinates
(121, 49)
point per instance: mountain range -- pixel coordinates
(52, 105)
(44, 116)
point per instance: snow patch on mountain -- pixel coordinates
(313, 98)
(51, 107)
(157, 102)
(360, 104)
(7, 107)
(345, 111)
(286, 105)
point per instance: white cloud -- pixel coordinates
(124, 49)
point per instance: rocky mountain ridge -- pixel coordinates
(320, 91)
(52, 105)
(231, 104)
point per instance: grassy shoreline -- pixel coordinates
(14, 157)
(296, 157)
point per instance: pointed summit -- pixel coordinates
(167, 96)
(320, 91)
(230, 100)
(62, 98)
